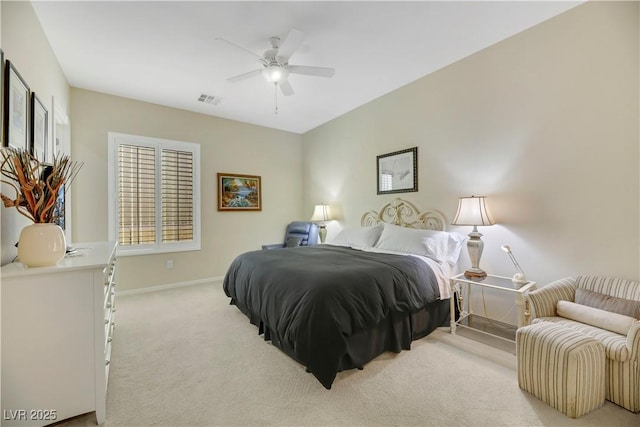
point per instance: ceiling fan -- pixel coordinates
(275, 63)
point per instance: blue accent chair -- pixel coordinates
(298, 233)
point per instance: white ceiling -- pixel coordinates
(166, 52)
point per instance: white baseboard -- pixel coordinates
(170, 286)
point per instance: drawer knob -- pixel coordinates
(109, 339)
(106, 362)
(108, 305)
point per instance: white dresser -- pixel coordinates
(57, 325)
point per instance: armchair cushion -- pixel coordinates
(615, 345)
(613, 322)
(605, 302)
(293, 242)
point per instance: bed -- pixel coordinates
(337, 306)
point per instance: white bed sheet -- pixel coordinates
(442, 270)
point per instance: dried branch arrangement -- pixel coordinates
(36, 183)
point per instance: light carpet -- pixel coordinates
(185, 357)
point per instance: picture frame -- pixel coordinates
(16, 108)
(397, 172)
(239, 192)
(1, 98)
(39, 128)
(59, 209)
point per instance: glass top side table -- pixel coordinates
(467, 319)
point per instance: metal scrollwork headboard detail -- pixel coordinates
(403, 213)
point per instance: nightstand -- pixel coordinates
(467, 319)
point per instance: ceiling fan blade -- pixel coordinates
(285, 88)
(311, 71)
(238, 47)
(244, 76)
(290, 44)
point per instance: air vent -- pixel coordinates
(209, 99)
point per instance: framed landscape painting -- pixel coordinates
(238, 192)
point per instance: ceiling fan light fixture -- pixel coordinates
(275, 73)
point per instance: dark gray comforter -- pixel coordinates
(312, 298)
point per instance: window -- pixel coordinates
(154, 187)
(386, 181)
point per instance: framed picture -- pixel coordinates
(58, 212)
(59, 209)
(16, 108)
(1, 98)
(239, 192)
(398, 171)
(39, 125)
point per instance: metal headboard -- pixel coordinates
(403, 213)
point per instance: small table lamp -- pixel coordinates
(473, 211)
(518, 278)
(321, 213)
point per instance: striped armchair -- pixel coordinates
(622, 352)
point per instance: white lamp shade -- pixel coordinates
(473, 211)
(321, 212)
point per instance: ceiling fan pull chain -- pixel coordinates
(275, 87)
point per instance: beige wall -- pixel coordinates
(26, 46)
(226, 146)
(545, 124)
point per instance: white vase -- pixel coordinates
(41, 245)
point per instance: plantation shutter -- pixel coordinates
(155, 188)
(137, 200)
(177, 195)
(386, 181)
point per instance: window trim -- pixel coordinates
(116, 139)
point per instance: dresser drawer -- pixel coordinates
(109, 308)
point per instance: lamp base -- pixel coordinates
(475, 246)
(322, 232)
(475, 273)
(519, 279)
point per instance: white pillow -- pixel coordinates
(614, 322)
(439, 245)
(358, 237)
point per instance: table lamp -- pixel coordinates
(321, 213)
(473, 211)
(518, 278)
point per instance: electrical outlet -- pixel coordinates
(169, 264)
